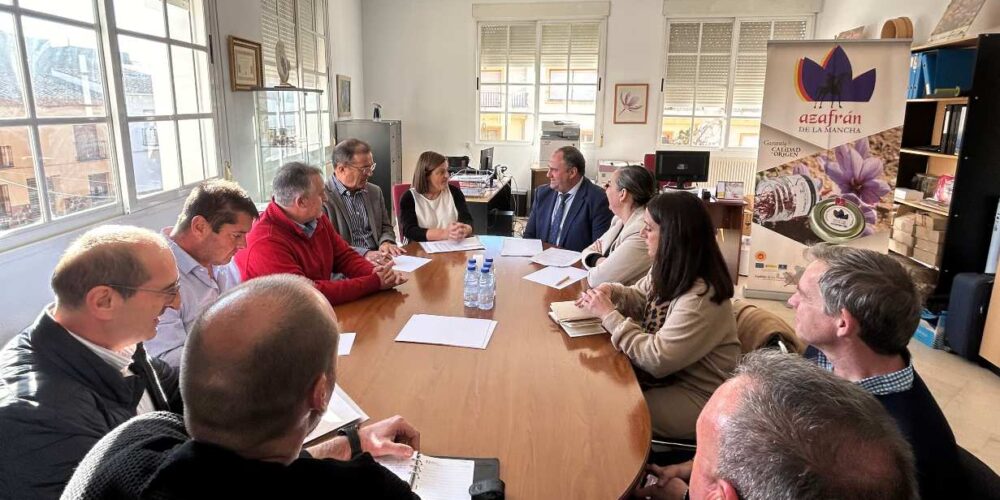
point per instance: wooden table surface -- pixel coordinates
(565, 416)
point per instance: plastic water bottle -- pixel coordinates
(493, 278)
(488, 261)
(471, 293)
(485, 289)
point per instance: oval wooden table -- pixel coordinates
(565, 416)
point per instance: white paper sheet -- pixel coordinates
(408, 263)
(437, 479)
(519, 247)
(556, 257)
(341, 411)
(346, 342)
(557, 277)
(471, 243)
(447, 330)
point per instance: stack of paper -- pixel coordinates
(433, 478)
(346, 342)
(556, 257)
(447, 330)
(408, 263)
(342, 411)
(576, 322)
(471, 243)
(519, 247)
(557, 277)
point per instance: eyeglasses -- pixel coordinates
(172, 291)
(364, 168)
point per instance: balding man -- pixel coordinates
(80, 370)
(259, 370)
(782, 428)
(294, 236)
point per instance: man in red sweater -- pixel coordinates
(294, 236)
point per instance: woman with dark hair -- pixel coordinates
(620, 255)
(433, 209)
(676, 324)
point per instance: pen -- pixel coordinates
(560, 282)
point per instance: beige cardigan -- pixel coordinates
(627, 259)
(697, 346)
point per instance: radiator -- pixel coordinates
(731, 169)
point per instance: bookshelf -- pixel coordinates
(976, 166)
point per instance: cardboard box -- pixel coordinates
(933, 247)
(903, 224)
(900, 248)
(924, 233)
(935, 222)
(908, 194)
(903, 238)
(928, 258)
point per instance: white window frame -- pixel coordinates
(116, 119)
(733, 151)
(533, 135)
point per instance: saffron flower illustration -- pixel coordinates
(629, 102)
(856, 172)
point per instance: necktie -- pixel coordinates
(556, 226)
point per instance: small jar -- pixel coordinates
(784, 198)
(837, 220)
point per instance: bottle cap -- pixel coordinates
(837, 220)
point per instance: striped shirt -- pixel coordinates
(361, 238)
(879, 385)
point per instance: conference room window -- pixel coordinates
(537, 71)
(713, 86)
(56, 114)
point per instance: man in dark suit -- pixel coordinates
(571, 212)
(81, 369)
(356, 207)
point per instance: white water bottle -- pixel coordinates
(471, 293)
(485, 289)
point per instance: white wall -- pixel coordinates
(25, 271)
(842, 15)
(346, 55)
(420, 64)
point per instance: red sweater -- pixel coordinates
(276, 244)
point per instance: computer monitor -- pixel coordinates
(486, 159)
(680, 168)
(457, 163)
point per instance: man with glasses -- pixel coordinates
(356, 207)
(80, 370)
(211, 228)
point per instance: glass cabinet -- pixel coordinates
(293, 124)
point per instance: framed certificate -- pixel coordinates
(245, 69)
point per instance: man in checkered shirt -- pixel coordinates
(857, 309)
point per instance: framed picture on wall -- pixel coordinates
(245, 69)
(631, 102)
(343, 96)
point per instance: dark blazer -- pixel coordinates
(378, 216)
(408, 225)
(58, 398)
(589, 216)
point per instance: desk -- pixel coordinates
(485, 208)
(565, 416)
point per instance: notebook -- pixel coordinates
(574, 321)
(441, 478)
(341, 411)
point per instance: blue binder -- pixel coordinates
(947, 69)
(915, 89)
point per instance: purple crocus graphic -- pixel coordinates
(854, 173)
(833, 80)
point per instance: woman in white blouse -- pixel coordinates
(620, 255)
(432, 209)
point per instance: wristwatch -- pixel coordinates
(351, 433)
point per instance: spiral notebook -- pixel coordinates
(441, 478)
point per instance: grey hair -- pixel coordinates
(345, 150)
(638, 182)
(292, 180)
(105, 255)
(875, 289)
(797, 429)
(232, 396)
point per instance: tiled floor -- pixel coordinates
(968, 394)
